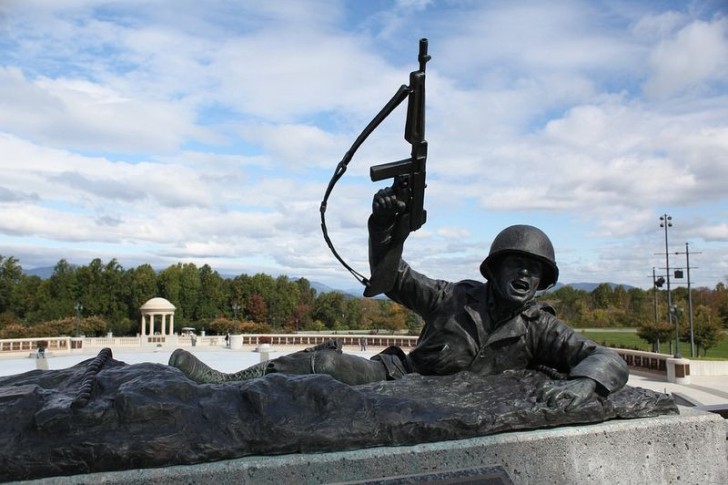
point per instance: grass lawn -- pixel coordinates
(630, 340)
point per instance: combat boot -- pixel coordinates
(201, 373)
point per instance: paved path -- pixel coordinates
(703, 390)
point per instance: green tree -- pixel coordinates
(28, 293)
(90, 289)
(566, 302)
(655, 333)
(212, 302)
(169, 284)
(302, 313)
(352, 314)
(141, 286)
(641, 306)
(707, 329)
(370, 311)
(602, 296)
(190, 292)
(720, 303)
(414, 323)
(239, 291)
(114, 278)
(620, 298)
(282, 301)
(306, 294)
(11, 275)
(382, 315)
(100, 289)
(263, 285)
(394, 317)
(58, 296)
(330, 309)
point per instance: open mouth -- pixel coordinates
(520, 285)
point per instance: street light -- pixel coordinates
(656, 283)
(235, 308)
(665, 223)
(79, 309)
(690, 297)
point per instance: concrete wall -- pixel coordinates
(685, 449)
(708, 368)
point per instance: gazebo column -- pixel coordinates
(171, 323)
(144, 325)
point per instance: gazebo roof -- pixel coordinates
(158, 303)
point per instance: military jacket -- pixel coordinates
(460, 335)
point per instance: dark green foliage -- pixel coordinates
(617, 307)
(108, 293)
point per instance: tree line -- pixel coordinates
(105, 297)
(609, 306)
(100, 297)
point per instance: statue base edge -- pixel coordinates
(689, 448)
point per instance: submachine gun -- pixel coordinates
(409, 174)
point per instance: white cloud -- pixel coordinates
(692, 59)
(83, 115)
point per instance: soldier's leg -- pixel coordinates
(346, 368)
(325, 358)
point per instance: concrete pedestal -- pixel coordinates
(236, 342)
(689, 449)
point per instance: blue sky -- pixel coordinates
(162, 132)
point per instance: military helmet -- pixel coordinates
(527, 240)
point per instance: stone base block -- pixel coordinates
(686, 449)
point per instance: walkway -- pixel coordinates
(703, 390)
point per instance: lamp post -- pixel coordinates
(235, 308)
(665, 223)
(690, 303)
(79, 309)
(656, 283)
(690, 298)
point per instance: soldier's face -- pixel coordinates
(517, 278)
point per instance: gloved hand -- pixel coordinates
(577, 391)
(386, 206)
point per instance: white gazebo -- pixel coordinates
(158, 307)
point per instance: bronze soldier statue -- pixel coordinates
(484, 328)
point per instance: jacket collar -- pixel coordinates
(479, 307)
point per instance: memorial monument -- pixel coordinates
(490, 359)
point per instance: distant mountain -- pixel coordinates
(321, 288)
(43, 273)
(588, 287)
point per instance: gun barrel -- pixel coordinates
(423, 57)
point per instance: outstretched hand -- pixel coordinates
(386, 206)
(577, 391)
